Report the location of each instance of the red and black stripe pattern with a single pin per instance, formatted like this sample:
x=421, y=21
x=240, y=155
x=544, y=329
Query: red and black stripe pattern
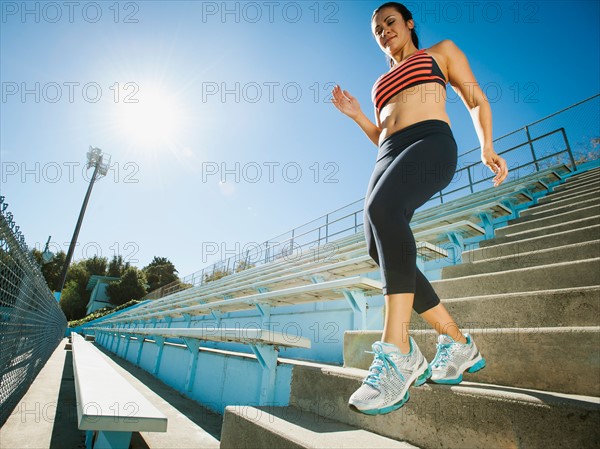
x=418, y=68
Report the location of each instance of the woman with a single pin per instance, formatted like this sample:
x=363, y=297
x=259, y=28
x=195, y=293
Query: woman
x=417, y=158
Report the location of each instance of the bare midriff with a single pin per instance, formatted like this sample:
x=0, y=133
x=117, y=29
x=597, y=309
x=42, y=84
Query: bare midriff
x=415, y=104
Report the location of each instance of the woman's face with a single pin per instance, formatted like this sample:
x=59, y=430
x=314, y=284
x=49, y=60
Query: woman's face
x=390, y=29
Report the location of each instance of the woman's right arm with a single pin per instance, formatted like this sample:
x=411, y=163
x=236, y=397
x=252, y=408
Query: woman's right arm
x=348, y=105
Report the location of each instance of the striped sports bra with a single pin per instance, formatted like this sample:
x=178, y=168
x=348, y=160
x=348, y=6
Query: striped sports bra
x=418, y=68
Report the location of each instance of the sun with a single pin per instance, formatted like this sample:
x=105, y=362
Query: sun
x=155, y=119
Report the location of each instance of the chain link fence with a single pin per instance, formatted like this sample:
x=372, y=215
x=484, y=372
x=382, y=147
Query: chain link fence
x=31, y=321
x=570, y=136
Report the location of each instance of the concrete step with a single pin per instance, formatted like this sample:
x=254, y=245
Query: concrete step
x=564, y=253
x=527, y=214
x=569, y=186
x=469, y=415
x=546, y=230
x=571, y=274
x=579, y=173
x=593, y=173
x=560, y=359
x=561, y=307
x=247, y=427
x=556, y=219
x=559, y=203
x=571, y=192
x=488, y=251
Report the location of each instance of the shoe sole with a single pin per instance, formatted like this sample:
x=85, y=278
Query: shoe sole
x=478, y=365
x=422, y=374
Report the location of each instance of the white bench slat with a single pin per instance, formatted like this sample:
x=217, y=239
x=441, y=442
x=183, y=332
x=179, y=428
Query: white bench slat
x=361, y=264
x=236, y=335
x=495, y=208
x=426, y=249
x=105, y=400
x=511, y=189
x=430, y=251
x=357, y=264
x=467, y=227
x=293, y=295
x=307, y=258
x=230, y=284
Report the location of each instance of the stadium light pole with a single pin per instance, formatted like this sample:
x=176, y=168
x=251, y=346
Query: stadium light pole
x=100, y=162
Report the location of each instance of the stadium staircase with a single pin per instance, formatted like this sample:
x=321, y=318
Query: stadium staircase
x=530, y=297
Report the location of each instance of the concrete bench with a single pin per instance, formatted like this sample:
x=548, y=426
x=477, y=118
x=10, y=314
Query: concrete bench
x=264, y=343
x=108, y=407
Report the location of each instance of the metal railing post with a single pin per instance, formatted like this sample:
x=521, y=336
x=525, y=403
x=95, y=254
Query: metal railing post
x=568, y=147
x=537, y=168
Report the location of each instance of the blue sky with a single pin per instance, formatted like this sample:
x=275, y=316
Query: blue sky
x=241, y=87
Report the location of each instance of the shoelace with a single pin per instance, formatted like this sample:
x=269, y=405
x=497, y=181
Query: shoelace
x=382, y=360
x=443, y=354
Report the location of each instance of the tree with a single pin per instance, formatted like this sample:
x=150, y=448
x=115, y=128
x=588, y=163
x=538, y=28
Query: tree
x=116, y=267
x=96, y=266
x=53, y=269
x=160, y=272
x=78, y=272
x=78, y=275
x=130, y=286
x=71, y=302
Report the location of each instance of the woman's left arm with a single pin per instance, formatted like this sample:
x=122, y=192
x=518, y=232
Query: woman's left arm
x=465, y=85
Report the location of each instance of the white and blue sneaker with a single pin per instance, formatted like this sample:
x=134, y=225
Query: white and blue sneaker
x=385, y=388
x=453, y=358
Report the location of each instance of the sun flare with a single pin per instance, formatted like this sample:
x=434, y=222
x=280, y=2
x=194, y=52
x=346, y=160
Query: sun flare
x=156, y=119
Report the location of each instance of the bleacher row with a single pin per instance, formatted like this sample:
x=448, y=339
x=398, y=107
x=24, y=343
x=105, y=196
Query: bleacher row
x=323, y=274
x=318, y=276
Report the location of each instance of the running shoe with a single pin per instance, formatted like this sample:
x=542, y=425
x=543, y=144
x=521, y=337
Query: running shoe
x=453, y=358
x=385, y=388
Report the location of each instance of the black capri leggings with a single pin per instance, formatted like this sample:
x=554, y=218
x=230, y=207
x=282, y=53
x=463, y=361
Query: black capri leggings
x=412, y=165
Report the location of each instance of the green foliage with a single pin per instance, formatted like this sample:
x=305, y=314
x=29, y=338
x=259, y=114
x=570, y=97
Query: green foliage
x=74, y=297
x=53, y=269
x=96, y=266
x=160, y=272
x=116, y=267
x=71, y=302
x=100, y=313
x=78, y=272
x=132, y=285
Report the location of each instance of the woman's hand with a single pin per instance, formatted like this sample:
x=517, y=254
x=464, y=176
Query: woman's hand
x=345, y=102
x=496, y=163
